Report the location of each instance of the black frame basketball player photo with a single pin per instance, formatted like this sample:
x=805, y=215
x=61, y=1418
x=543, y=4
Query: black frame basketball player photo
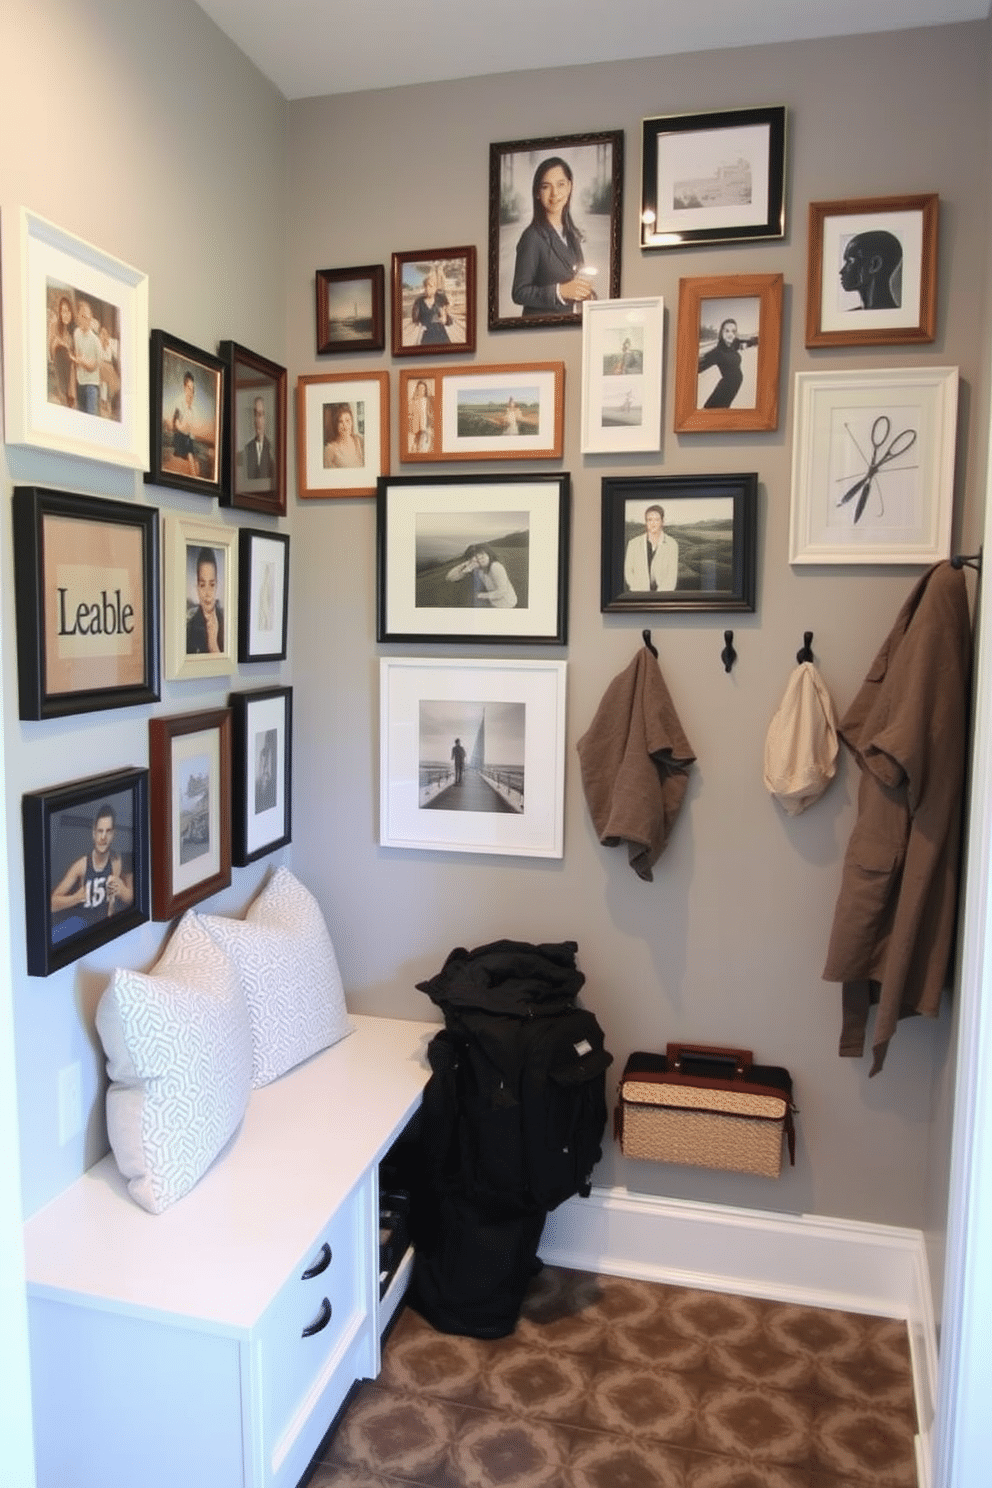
x=85, y=866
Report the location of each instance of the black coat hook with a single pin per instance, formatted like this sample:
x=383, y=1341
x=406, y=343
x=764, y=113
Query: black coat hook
x=728, y=655
x=806, y=654
x=646, y=636
x=968, y=560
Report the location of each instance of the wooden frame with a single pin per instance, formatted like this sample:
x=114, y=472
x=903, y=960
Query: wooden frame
x=508, y=720
x=87, y=602
x=433, y=302
x=186, y=417
x=873, y=466
x=189, y=756
x=713, y=178
x=433, y=580
x=328, y=461
x=525, y=260
x=622, y=375
x=872, y=272
x=721, y=382
x=255, y=444
x=190, y=638
x=51, y=402
x=262, y=747
x=89, y=840
x=511, y=411
x=350, y=307
x=263, y=594
x=712, y=520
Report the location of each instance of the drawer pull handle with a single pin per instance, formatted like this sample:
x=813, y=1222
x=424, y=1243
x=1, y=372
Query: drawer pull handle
x=320, y=1264
x=320, y=1321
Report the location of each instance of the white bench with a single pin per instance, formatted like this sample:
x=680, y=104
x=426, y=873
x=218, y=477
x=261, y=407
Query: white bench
x=167, y=1349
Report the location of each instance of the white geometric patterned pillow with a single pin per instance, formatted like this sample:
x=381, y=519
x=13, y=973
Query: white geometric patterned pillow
x=178, y=1047
x=289, y=975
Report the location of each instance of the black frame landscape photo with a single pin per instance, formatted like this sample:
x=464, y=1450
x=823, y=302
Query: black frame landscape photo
x=715, y=177
x=473, y=558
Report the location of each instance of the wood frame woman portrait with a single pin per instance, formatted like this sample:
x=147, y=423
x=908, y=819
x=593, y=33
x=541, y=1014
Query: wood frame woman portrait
x=555, y=219
x=727, y=358
x=342, y=433
x=872, y=271
x=433, y=302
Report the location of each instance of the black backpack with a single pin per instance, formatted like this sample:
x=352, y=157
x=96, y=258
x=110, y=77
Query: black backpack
x=526, y=1103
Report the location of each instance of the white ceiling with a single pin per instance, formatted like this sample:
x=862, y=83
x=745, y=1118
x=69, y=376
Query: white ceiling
x=313, y=47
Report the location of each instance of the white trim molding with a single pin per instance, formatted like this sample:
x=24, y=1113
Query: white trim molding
x=802, y=1259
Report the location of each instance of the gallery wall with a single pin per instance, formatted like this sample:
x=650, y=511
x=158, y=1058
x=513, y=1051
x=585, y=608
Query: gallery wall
x=176, y=167
x=230, y=200
x=727, y=944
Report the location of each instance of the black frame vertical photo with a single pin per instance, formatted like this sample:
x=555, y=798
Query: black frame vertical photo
x=262, y=772
x=255, y=444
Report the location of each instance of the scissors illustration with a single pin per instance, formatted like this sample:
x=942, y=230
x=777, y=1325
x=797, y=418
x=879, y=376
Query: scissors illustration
x=880, y=456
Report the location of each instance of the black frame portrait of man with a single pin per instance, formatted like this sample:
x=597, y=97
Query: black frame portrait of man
x=527, y=258
x=714, y=520
x=252, y=379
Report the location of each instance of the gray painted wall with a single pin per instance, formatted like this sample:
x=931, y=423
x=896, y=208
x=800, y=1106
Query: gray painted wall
x=727, y=944
x=180, y=173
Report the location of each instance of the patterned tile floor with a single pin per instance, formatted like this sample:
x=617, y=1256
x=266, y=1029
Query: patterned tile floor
x=612, y=1383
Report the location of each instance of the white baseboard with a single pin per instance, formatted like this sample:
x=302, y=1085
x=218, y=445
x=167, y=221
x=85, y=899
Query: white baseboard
x=799, y=1258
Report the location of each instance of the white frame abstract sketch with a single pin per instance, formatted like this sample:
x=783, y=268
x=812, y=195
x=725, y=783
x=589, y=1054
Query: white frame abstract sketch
x=873, y=466
x=454, y=696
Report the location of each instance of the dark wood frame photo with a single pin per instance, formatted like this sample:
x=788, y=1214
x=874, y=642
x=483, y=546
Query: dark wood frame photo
x=262, y=746
x=430, y=533
x=56, y=839
x=872, y=271
x=350, y=309
x=422, y=332
x=595, y=163
x=713, y=521
x=252, y=379
x=713, y=178
x=263, y=594
x=752, y=304
x=55, y=534
x=190, y=458
x=178, y=830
